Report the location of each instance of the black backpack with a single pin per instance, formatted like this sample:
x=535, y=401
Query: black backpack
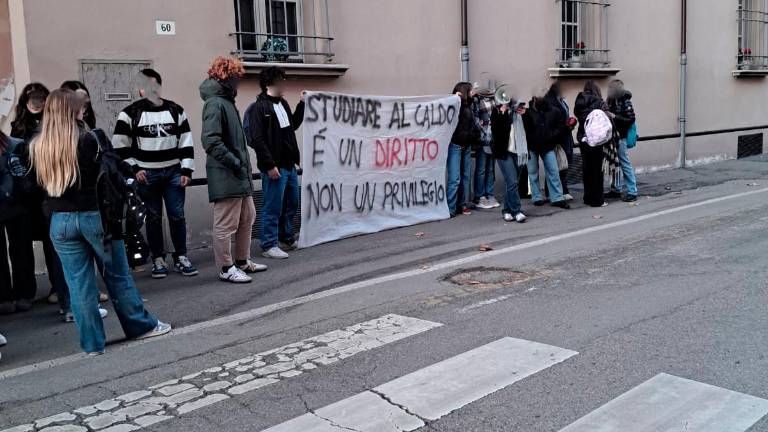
x=122, y=211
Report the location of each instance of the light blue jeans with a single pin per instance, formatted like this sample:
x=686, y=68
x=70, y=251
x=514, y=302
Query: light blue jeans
x=552, y=174
x=458, y=177
x=78, y=238
x=627, y=181
x=485, y=175
x=281, y=202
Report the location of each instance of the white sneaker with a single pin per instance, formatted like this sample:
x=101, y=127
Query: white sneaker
x=275, y=253
x=520, y=217
x=235, y=275
x=103, y=312
x=508, y=217
x=568, y=197
x=159, y=330
x=3, y=340
x=484, y=204
x=493, y=202
x=252, y=267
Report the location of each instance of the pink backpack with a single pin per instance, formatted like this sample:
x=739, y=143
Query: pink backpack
x=598, y=128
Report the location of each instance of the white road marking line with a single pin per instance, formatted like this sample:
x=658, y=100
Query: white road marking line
x=365, y=411
x=669, y=403
x=265, y=310
x=176, y=397
x=407, y=403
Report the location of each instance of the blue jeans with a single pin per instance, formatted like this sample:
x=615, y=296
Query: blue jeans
x=79, y=240
x=458, y=170
x=511, y=173
x=164, y=184
x=552, y=174
x=628, y=180
x=485, y=175
x=281, y=202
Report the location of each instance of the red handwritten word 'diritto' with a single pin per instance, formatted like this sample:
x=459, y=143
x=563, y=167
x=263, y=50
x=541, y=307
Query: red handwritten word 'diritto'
x=396, y=152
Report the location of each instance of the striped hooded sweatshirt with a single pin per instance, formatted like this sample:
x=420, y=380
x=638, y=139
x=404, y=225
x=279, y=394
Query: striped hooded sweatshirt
x=148, y=136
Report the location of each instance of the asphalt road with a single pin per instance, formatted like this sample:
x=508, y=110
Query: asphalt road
x=663, y=302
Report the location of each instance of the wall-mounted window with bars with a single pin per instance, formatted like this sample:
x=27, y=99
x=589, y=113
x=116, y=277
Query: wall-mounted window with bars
x=753, y=35
x=284, y=31
x=583, y=34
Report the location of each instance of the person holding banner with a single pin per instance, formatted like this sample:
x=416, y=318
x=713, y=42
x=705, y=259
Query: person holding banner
x=270, y=127
x=459, y=165
x=230, y=186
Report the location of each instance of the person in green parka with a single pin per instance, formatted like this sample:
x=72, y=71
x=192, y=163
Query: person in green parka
x=229, y=170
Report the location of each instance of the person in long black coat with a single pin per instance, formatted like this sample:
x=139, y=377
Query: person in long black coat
x=591, y=157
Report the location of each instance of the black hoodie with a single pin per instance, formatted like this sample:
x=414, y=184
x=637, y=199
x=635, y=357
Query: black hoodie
x=625, y=112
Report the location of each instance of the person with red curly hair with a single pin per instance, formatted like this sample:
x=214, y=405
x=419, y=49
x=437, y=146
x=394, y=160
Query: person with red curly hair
x=229, y=170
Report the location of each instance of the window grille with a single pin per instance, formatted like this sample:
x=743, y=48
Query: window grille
x=583, y=34
x=283, y=30
x=753, y=35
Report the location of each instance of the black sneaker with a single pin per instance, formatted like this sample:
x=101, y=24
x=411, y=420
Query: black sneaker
x=184, y=266
x=613, y=194
x=561, y=204
x=629, y=198
x=539, y=203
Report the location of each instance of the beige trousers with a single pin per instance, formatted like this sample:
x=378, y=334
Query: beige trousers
x=232, y=216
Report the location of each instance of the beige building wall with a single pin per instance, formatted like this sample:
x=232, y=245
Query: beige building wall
x=407, y=47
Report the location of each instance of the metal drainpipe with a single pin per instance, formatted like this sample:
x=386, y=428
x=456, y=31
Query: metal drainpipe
x=683, y=68
x=464, y=53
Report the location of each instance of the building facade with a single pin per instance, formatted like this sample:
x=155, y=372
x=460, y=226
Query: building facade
x=410, y=47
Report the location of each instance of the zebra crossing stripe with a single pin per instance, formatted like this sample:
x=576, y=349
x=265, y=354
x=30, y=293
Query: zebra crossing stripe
x=165, y=401
x=409, y=402
x=669, y=403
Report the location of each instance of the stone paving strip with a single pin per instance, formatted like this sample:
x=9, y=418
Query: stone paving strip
x=414, y=400
x=164, y=401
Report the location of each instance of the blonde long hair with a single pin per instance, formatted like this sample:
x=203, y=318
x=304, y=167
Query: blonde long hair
x=54, y=152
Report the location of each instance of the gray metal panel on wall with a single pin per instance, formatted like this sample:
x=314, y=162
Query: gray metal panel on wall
x=112, y=84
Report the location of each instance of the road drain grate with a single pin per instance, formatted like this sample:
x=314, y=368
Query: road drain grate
x=488, y=277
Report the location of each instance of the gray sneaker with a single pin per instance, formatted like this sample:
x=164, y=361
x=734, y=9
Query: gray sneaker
x=484, y=204
x=159, y=330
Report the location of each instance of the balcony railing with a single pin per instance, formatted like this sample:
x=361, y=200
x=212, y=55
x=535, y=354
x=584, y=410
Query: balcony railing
x=753, y=35
x=283, y=31
x=583, y=34
x=272, y=47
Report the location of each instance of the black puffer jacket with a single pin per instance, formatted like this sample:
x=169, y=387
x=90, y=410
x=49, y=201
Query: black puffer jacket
x=625, y=112
x=585, y=104
x=501, y=126
x=467, y=132
x=545, y=126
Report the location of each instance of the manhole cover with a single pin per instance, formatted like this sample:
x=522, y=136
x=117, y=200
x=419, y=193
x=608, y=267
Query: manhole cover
x=488, y=277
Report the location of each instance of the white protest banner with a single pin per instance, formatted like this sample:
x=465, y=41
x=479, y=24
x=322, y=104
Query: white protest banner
x=372, y=163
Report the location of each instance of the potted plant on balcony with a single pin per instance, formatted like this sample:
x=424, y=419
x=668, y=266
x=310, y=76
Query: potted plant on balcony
x=746, y=61
x=275, y=49
x=578, y=55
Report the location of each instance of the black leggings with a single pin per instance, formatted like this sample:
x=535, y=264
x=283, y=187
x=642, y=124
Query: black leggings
x=592, y=164
x=17, y=282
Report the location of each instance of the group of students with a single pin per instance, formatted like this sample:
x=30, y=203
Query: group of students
x=518, y=137
x=56, y=169
x=59, y=175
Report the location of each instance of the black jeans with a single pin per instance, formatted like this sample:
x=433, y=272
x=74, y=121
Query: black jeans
x=163, y=185
x=17, y=282
x=592, y=165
